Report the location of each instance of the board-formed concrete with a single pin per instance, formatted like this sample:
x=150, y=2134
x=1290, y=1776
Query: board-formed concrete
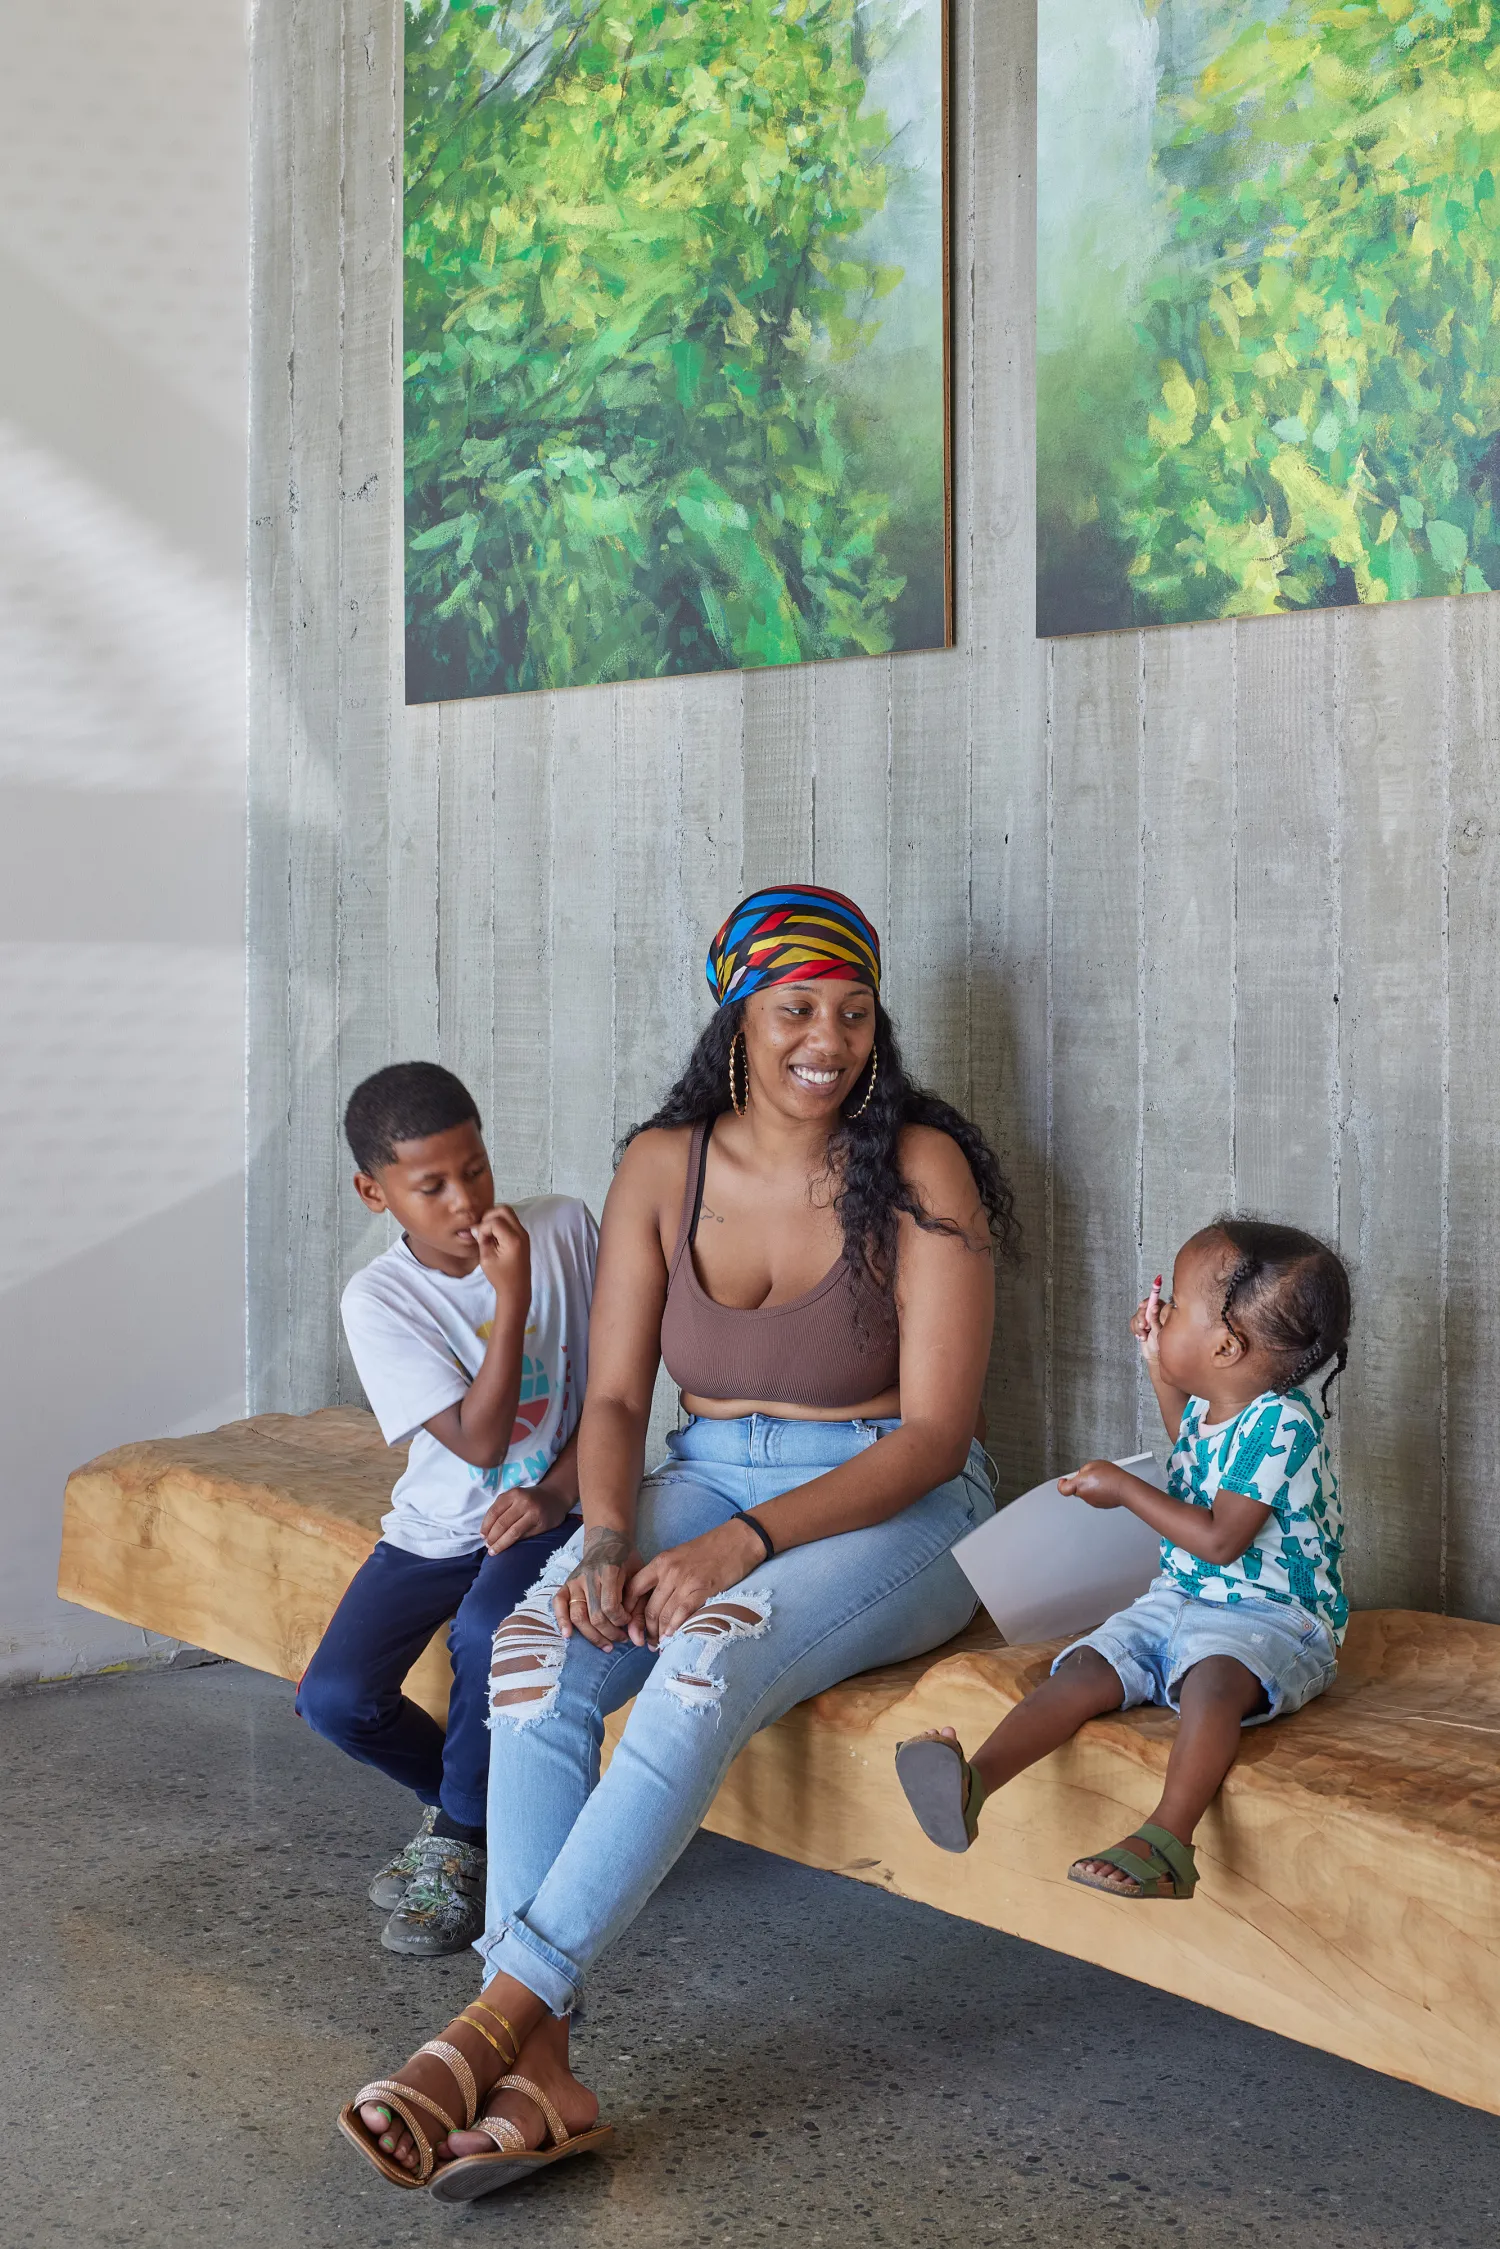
x=1350, y=1891
x=191, y=1983
x=1186, y=918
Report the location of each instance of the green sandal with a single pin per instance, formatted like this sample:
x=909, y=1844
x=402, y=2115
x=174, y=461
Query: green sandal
x=943, y=1790
x=1166, y=1870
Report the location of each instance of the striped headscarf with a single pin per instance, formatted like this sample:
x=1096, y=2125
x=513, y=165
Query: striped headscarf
x=792, y=934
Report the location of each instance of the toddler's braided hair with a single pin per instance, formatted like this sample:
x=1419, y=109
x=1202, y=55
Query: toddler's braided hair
x=1292, y=1292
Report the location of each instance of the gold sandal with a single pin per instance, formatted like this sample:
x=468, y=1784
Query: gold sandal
x=467, y=2177
x=387, y=2094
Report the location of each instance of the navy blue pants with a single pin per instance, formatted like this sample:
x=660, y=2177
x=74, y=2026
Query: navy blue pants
x=351, y=1691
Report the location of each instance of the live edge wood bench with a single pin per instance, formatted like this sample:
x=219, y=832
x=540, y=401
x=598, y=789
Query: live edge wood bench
x=1350, y=1892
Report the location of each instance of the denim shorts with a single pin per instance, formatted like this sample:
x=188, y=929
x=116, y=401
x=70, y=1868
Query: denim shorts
x=1156, y=1641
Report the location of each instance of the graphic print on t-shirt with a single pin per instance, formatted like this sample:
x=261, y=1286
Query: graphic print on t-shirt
x=532, y=1408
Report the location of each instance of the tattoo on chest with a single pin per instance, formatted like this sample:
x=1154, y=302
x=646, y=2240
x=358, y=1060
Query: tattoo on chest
x=716, y=1216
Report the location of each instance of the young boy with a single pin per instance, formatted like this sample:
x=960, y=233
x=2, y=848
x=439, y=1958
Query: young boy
x=1244, y=1623
x=470, y=1335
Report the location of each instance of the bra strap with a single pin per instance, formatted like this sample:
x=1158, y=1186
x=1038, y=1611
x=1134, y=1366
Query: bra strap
x=692, y=1192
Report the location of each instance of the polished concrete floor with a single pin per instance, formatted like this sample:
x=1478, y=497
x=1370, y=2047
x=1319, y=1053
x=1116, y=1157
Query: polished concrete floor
x=190, y=1983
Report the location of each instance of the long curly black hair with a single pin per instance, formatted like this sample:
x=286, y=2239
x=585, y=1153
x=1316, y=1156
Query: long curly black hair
x=870, y=1193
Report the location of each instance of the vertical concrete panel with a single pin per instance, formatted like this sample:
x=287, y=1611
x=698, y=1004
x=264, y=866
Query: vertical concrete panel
x=521, y=923
x=711, y=864
x=368, y=613
x=472, y=852
x=1186, y=936
x=412, y=872
x=585, y=877
x=780, y=756
x=852, y=820
x=1007, y=683
x=1286, y=1012
x=1391, y=842
x=313, y=61
x=1471, y=1217
x=269, y=1086
x=648, y=938
x=1095, y=917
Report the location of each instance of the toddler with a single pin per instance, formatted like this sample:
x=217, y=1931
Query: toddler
x=1245, y=1620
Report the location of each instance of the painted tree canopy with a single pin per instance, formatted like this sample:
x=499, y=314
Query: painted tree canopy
x=632, y=278
x=1305, y=406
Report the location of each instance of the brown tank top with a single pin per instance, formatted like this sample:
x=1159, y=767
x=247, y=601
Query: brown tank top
x=835, y=1345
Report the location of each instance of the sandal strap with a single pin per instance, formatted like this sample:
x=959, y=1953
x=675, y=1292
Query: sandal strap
x=488, y=2036
x=454, y=2062
x=554, y=2122
x=975, y=1793
x=386, y=2088
x=1177, y=1855
x=384, y=2092
x=508, y=2137
x=504, y=2021
x=1140, y=1870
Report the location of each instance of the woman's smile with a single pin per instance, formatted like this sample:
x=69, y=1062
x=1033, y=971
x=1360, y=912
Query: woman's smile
x=807, y=1074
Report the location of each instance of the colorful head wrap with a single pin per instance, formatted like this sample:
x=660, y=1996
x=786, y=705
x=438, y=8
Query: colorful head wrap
x=792, y=935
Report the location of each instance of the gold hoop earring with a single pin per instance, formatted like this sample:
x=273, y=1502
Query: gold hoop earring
x=737, y=1045
x=870, y=1088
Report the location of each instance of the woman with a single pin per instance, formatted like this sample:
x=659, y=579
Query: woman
x=806, y=1238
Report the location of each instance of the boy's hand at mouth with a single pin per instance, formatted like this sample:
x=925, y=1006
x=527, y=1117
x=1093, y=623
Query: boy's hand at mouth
x=504, y=1248
x=1098, y=1482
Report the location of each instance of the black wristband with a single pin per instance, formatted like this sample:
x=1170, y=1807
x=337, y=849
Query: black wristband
x=761, y=1533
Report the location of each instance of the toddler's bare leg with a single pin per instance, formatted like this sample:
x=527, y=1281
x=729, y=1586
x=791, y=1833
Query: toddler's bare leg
x=1085, y=1687
x=1082, y=1688
x=1216, y=1696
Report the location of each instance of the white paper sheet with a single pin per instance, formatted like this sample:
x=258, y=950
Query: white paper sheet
x=1047, y=1566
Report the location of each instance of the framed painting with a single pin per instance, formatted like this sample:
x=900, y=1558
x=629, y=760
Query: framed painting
x=676, y=338
x=1268, y=348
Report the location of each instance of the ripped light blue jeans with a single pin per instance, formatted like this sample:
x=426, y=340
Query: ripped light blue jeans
x=573, y=1858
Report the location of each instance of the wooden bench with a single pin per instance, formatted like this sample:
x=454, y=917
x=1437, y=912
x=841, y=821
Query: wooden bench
x=1351, y=1871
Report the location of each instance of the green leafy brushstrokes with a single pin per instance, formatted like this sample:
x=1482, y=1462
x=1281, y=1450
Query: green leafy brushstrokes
x=1312, y=412
x=626, y=287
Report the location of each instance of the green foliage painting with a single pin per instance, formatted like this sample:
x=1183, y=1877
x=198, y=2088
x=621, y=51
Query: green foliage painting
x=1268, y=306
x=675, y=337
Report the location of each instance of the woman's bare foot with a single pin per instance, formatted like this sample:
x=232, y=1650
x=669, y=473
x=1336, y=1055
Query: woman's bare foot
x=544, y=2059
x=429, y=2074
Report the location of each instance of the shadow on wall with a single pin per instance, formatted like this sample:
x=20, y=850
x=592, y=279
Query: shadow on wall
x=121, y=1014
x=123, y=261
x=87, y=1381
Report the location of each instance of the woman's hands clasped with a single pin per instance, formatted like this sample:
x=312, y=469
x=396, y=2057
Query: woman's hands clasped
x=674, y=1585
x=614, y=1596
x=593, y=1600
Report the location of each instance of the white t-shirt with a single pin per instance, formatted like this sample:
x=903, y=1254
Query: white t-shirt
x=418, y=1337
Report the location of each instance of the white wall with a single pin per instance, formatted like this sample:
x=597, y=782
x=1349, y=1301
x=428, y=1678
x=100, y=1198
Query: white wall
x=124, y=234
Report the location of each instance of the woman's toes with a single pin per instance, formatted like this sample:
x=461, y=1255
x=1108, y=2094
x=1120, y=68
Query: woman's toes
x=469, y=2143
x=389, y=2136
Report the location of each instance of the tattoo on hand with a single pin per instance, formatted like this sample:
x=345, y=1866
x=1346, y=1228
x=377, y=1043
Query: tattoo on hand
x=603, y=1549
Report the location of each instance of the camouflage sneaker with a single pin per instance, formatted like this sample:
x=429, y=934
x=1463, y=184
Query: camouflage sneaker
x=443, y=1908
x=389, y=1886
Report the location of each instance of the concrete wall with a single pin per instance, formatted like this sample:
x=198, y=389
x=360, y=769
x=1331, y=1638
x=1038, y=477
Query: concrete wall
x=124, y=238
x=1185, y=918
